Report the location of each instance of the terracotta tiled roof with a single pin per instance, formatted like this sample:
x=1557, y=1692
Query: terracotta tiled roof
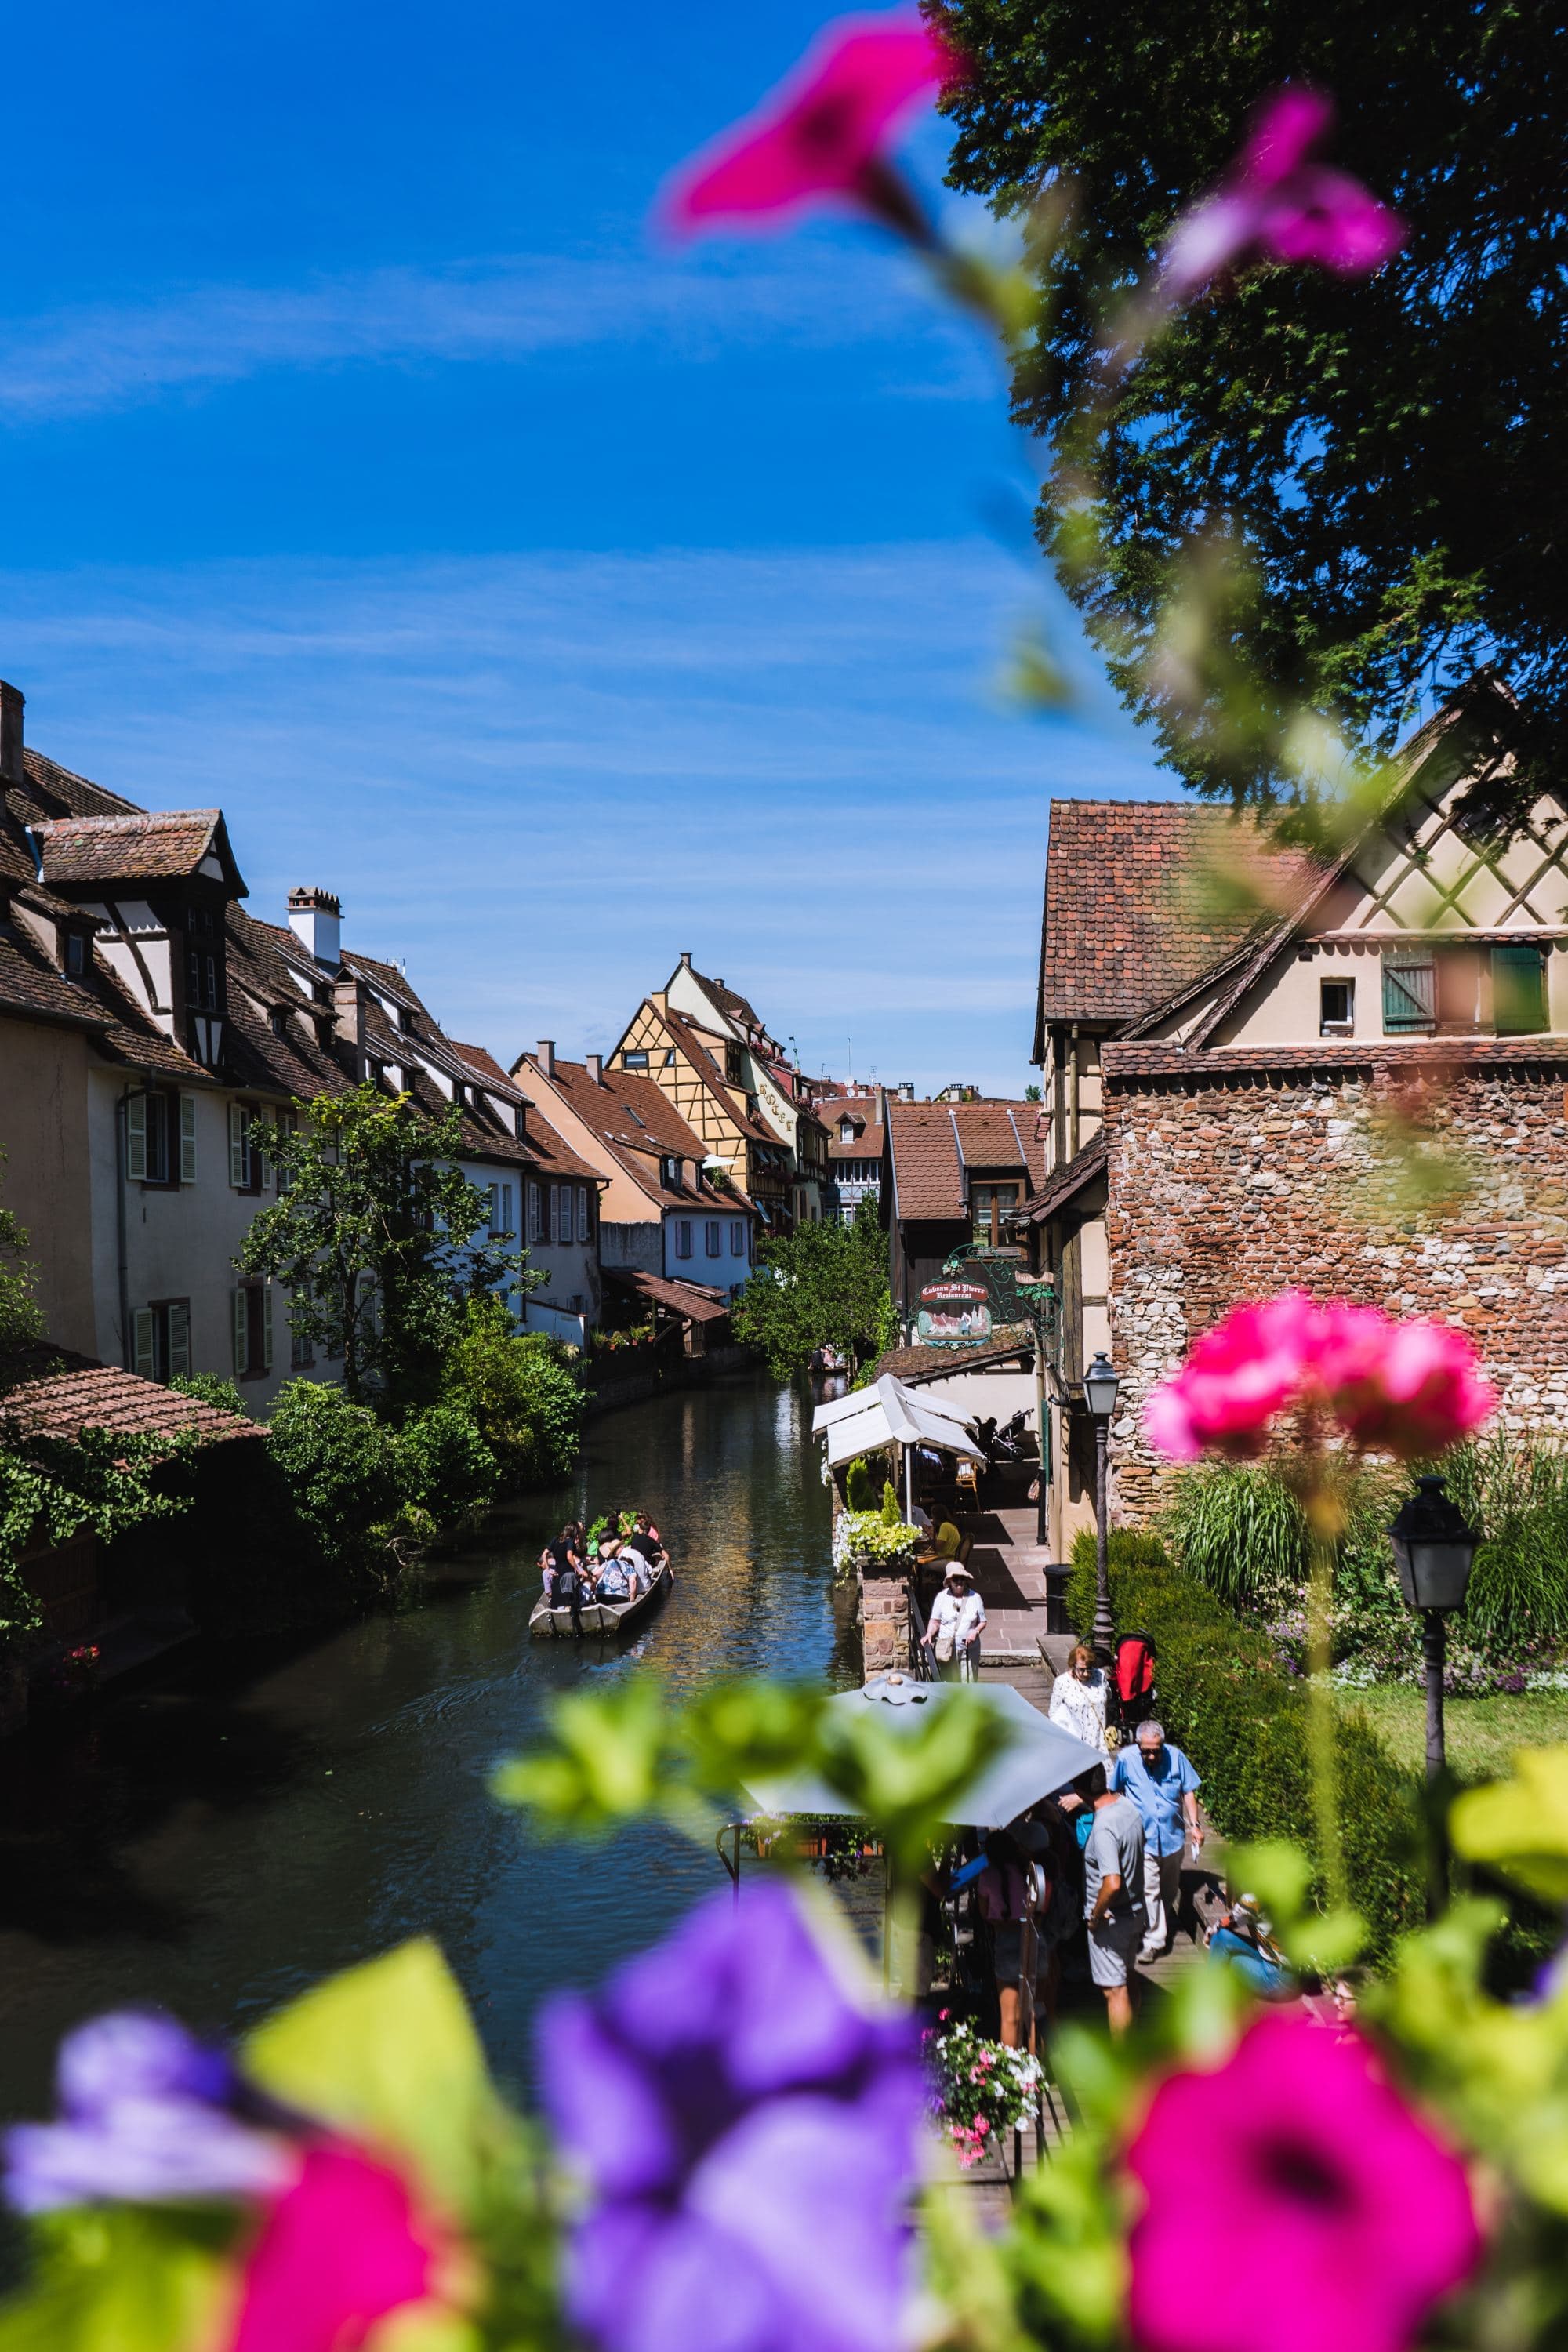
x=484, y=1066
x=639, y=1127
x=84, y=1395
x=919, y=1364
x=690, y=1038
x=689, y=1299
x=53, y=791
x=863, y=1109
x=729, y=1000
x=1126, y=921
x=83, y=849
x=1062, y=1182
x=30, y=984
x=932, y=1145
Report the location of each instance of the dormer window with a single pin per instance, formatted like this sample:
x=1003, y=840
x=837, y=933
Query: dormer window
x=76, y=954
x=670, y=1174
x=279, y=1018
x=405, y=1019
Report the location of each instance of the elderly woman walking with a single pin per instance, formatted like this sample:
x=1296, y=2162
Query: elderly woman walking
x=957, y=1621
x=1078, y=1698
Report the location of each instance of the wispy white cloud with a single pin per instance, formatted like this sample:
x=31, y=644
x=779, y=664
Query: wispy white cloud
x=539, y=777
x=110, y=354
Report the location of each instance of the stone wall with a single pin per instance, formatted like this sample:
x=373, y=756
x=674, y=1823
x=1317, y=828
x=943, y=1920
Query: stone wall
x=1227, y=1190
x=884, y=1623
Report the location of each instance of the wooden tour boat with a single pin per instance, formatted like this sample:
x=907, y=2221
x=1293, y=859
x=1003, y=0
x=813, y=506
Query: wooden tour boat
x=601, y=1620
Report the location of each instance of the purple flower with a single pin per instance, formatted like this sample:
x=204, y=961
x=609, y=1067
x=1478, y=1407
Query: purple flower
x=1276, y=202
x=748, y=2132
x=147, y=2114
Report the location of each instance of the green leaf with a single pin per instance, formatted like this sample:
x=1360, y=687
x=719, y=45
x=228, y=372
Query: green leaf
x=608, y=1764
x=908, y=1783
x=122, y=2279
x=1519, y=1827
x=388, y=2053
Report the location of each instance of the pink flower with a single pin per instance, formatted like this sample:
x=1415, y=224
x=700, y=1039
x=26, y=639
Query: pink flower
x=1276, y=202
x=981, y=2127
x=336, y=2253
x=1236, y=1379
x=818, y=135
x=1296, y=2175
x=1409, y=1389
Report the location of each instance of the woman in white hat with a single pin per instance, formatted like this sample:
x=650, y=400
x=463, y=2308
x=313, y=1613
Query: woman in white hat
x=957, y=1621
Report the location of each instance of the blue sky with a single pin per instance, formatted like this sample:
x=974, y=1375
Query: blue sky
x=560, y=601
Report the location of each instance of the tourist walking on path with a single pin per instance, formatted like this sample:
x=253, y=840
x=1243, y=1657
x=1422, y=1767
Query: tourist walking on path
x=1078, y=1698
x=1113, y=1905
x=1163, y=1785
x=957, y=1621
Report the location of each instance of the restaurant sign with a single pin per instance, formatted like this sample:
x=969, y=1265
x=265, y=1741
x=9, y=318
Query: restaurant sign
x=953, y=1314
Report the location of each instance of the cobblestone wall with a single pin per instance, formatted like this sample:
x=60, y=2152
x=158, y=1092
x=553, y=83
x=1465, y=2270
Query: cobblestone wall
x=884, y=1623
x=1225, y=1193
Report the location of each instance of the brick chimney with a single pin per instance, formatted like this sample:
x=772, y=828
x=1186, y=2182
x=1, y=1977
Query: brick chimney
x=686, y=958
x=595, y=1067
x=546, y=1057
x=316, y=919
x=12, y=701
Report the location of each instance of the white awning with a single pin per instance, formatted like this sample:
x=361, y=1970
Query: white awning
x=888, y=1413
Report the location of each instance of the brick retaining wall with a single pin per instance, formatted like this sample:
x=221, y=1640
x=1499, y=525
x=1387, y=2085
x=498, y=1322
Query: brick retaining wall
x=1226, y=1190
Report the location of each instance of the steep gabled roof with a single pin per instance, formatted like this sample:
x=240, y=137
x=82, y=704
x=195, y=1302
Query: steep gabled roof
x=688, y=1036
x=81, y=850
x=638, y=1127
x=932, y=1145
x=1123, y=927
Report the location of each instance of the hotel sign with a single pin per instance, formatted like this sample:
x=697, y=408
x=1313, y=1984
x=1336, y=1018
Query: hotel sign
x=953, y=1314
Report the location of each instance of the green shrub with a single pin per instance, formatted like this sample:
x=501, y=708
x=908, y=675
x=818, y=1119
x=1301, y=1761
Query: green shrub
x=444, y=1467
x=341, y=1464
x=860, y=1488
x=521, y=1390
x=1243, y=1720
x=211, y=1389
x=892, y=1517
x=1516, y=1491
x=1238, y=1528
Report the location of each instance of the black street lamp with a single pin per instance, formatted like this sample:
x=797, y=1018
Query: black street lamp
x=1434, y=1549
x=1100, y=1386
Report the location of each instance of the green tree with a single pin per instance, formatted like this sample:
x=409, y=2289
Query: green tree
x=1384, y=457
x=821, y=1287
x=521, y=1391
x=378, y=1237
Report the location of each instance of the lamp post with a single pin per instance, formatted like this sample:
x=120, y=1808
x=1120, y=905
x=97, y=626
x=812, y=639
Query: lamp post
x=1434, y=1549
x=1100, y=1386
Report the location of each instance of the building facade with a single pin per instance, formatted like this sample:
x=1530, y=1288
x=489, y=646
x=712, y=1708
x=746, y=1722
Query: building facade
x=954, y=1176
x=782, y=1096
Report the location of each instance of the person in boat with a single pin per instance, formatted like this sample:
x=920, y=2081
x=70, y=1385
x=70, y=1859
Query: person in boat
x=647, y=1539
x=616, y=1577
x=568, y=1550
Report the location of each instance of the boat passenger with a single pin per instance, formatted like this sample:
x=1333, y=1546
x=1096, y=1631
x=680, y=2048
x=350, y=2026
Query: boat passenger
x=568, y=1550
x=654, y=1546
x=614, y=1581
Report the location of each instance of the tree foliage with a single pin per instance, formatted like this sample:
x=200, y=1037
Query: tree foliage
x=376, y=1236
x=52, y=1488
x=1384, y=459
x=20, y=1319
x=821, y=1287
x=521, y=1393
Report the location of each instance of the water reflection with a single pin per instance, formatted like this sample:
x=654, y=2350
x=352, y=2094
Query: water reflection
x=215, y=1843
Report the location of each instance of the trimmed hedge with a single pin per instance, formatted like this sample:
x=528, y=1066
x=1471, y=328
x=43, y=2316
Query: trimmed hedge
x=1227, y=1702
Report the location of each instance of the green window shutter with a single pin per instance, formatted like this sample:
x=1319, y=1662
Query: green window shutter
x=187, y=1138
x=136, y=1139
x=1409, y=990
x=144, y=1344
x=267, y=1325
x=179, y=1341
x=241, y=1334
x=1518, y=991
x=236, y=1147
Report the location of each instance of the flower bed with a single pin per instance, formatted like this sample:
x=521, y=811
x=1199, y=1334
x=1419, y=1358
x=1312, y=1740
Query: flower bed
x=981, y=2089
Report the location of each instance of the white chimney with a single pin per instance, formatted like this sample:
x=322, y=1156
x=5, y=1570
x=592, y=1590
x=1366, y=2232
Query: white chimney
x=546, y=1057
x=906, y=1091
x=316, y=919
x=595, y=1067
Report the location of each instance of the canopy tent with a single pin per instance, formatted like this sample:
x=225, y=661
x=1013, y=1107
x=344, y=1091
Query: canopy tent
x=888, y=1413
x=1039, y=1758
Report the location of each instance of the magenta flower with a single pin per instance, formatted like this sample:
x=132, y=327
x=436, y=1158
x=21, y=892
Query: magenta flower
x=1329, y=2217
x=337, y=2252
x=749, y=2133
x=1276, y=202
x=1408, y=1388
x=820, y=134
x=1236, y=1379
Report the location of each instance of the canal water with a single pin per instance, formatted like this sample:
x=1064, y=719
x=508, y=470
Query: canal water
x=214, y=1843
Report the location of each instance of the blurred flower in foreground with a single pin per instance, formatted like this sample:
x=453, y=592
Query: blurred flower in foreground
x=1276, y=203
x=749, y=2133
x=819, y=136
x=147, y=2114
x=1295, y=2183
x=336, y=2253
x=1410, y=1389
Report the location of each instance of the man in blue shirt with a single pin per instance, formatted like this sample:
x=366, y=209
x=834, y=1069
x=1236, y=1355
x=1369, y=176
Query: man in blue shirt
x=1163, y=1785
